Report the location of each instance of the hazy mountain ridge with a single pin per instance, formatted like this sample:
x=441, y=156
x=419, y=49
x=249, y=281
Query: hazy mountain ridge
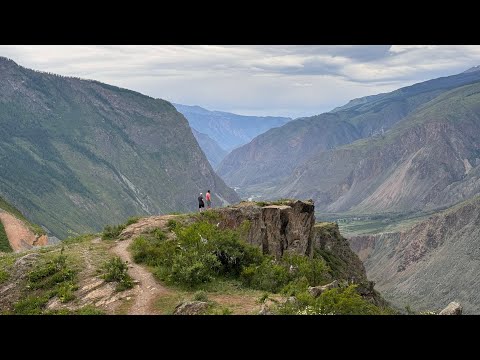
x=227, y=129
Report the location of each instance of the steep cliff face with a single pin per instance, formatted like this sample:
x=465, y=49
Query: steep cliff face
x=276, y=229
x=431, y=264
x=78, y=154
x=289, y=226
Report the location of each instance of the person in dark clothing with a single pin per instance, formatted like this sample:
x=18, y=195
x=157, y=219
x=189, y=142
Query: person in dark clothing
x=201, y=204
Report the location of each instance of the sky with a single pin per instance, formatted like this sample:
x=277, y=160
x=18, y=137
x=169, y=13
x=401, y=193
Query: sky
x=276, y=80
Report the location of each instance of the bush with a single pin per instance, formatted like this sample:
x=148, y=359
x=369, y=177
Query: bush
x=117, y=270
x=112, y=231
x=268, y=276
x=336, y=301
x=200, y=253
x=200, y=296
x=315, y=270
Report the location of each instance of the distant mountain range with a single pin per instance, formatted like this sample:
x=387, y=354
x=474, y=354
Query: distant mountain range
x=413, y=148
x=76, y=155
x=227, y=129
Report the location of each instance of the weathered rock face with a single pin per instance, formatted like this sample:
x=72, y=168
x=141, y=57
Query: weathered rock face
x=277, y=229
x=454, y=308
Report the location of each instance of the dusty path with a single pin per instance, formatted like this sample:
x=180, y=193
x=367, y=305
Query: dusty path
x=148, y=289
x=19, y=235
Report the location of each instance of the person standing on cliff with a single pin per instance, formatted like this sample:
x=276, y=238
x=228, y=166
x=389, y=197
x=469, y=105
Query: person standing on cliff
x=201, y=204
x=208, y=197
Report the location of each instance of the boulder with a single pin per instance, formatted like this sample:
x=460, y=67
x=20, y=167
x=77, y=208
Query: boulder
x=191, y=308
x=316, y=291
x=454, y=308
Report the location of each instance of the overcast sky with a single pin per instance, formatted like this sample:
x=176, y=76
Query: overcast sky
x=253, y=80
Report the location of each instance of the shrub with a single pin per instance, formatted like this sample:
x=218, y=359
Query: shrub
x=117, y=270
x=112, y=231
x=315, y=270
x=65, y=291
x=268, y=276
x=200, y=296
x=336, y=301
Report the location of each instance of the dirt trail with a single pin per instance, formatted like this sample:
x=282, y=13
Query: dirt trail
x=148, y=288
x=19, y=235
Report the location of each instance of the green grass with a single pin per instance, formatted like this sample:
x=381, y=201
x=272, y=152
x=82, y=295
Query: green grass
x=53, y=275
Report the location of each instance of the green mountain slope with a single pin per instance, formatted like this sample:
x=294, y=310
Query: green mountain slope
x=78, y=154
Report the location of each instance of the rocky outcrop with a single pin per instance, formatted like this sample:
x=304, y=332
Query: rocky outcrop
x=191, y=308
x=275, y=227
x=316, y=291
x=454, y=308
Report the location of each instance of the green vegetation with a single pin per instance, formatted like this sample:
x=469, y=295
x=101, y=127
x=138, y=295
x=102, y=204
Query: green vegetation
x=53, y=276
x=4, y=243
x=338, y=301
x=200, y=296
x=79, y=239
x=117, y=270
x=112, y=231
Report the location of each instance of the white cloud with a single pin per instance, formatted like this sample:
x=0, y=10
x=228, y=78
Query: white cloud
x=268, y=80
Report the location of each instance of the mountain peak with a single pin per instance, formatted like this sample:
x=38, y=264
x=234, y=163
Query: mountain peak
x=7, y=61
x=472, y=69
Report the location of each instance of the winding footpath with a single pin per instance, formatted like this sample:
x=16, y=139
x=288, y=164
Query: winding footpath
x=147, y=289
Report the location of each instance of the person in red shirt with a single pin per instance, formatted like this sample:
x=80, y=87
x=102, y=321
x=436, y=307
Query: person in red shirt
x=209, y=199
